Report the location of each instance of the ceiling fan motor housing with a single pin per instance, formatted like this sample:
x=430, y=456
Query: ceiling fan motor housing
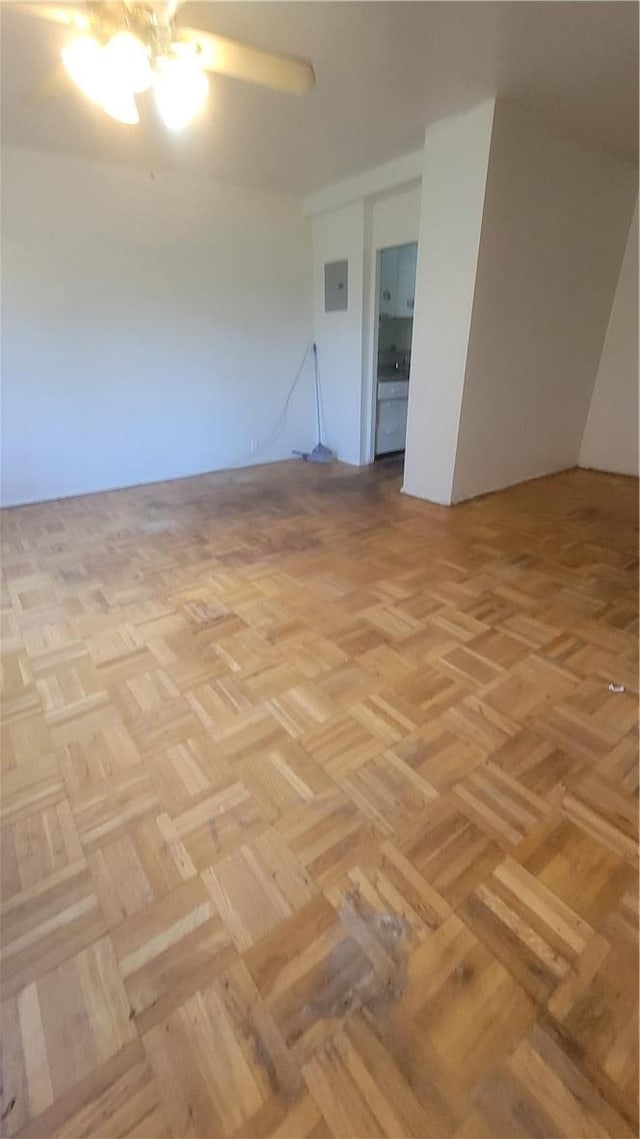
x=152, y=22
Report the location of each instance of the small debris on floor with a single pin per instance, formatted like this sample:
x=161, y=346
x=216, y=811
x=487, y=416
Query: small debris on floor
x=463, y=972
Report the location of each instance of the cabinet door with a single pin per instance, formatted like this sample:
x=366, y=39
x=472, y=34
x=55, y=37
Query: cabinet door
x=388, y=282
x=406, y=289
x=391, y=431
x=392, y=389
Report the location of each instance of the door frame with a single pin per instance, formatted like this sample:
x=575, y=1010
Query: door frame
x=371, y=399
x=392, y=218
x=372, y=417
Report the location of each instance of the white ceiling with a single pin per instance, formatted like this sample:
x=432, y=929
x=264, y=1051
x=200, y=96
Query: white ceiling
x=383, y=71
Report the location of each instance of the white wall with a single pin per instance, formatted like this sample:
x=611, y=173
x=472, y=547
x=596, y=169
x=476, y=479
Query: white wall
x=456, y=158
x=339, y=235
x=151, y=326
x=368, y=184
x=610, y=440
x=556, y=216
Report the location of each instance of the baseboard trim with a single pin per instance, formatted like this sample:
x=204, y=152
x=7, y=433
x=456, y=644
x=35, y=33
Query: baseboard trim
x=149, y=482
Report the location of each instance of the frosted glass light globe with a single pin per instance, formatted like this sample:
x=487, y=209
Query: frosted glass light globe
x=120, y=105
x=83, y=59
x=180, y=89
x=127, y=63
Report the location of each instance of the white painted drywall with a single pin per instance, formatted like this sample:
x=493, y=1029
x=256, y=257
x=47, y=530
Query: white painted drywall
x=456, y=158
x=395, y=217
x=556, y=217
x=392, y=219
x=339, y=235
x=151, y=326
x=610, y=440
x=377, y=180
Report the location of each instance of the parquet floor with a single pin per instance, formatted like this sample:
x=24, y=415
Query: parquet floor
x=319, y=816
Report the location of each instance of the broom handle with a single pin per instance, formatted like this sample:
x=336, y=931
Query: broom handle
x=317, y=387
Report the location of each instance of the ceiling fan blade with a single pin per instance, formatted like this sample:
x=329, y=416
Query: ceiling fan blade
x=240, y=61
x=65, y=14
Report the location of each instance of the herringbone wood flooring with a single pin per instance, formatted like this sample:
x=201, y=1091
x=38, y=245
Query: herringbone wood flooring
x=319, y=816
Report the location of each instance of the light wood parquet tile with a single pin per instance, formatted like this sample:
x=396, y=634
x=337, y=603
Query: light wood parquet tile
x=257, y=887
x=536, y=935
x=318, y=815
x=535, y=1088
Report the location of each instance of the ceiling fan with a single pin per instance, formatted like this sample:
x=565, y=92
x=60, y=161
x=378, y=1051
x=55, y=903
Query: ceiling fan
x=119, y=50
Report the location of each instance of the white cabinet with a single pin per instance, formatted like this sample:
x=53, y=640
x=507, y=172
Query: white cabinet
x=391, y=429
x=392, y=389
x=398, y=280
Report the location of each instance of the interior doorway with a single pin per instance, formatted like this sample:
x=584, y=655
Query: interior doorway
x=395, y=299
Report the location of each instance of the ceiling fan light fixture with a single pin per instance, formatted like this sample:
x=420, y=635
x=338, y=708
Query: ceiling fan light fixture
x=180, y=89
x=126, y=61
x=137, y=47
x=84, y=62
